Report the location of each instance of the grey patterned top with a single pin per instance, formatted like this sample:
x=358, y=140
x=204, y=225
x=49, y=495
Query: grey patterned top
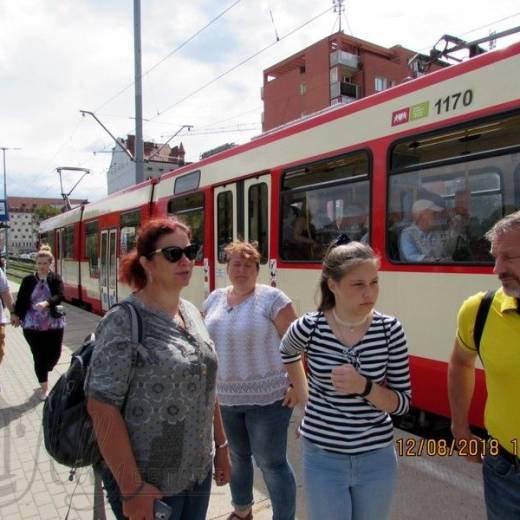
x=170, y=389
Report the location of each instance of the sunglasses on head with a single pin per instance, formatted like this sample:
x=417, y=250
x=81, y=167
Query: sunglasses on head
x=174, y=253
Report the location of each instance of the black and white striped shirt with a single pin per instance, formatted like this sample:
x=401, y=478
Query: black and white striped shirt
x=346, y=423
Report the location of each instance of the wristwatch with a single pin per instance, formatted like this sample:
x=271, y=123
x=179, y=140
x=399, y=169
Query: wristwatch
x=368, y=388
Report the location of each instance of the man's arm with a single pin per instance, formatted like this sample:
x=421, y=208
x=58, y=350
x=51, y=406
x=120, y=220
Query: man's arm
x=461, y=384
x=408, y=248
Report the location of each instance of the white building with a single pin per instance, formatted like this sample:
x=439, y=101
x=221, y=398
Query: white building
x=158, y=159
x=23, y=222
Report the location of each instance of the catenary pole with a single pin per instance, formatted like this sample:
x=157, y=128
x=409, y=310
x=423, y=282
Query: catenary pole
x=139, y=147
x=6, y=237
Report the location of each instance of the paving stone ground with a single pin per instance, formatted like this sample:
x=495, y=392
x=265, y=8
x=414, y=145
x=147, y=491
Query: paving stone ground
x=32, y=486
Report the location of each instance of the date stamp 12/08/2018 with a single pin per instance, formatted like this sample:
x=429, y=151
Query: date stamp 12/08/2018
x=416, y=447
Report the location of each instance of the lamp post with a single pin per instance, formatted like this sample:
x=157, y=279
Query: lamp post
x=6, y=237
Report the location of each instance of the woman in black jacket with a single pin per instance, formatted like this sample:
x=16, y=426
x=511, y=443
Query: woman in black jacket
x=37, y=310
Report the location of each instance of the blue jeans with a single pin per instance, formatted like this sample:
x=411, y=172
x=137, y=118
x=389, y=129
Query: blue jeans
x=191, y=504
x=260, y=432
x=501, y=488
x=338, y=486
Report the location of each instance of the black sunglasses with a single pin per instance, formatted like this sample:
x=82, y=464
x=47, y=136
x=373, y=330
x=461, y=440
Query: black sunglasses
x=174, y=253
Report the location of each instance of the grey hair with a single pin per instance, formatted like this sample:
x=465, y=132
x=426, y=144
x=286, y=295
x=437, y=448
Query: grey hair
x=338, y=261
x=505, y=225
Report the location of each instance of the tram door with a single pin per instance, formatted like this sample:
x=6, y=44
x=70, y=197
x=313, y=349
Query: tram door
x=59, y=252
x=242, y=212
x=108, y=268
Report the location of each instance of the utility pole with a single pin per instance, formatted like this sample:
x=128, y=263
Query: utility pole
x=6, y=237
x=139, y=146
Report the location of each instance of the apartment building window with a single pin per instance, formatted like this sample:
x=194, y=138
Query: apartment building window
x=303, y=88
x=380, y=83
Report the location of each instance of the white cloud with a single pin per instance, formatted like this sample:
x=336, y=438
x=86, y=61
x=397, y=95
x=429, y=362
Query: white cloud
x=57, y=57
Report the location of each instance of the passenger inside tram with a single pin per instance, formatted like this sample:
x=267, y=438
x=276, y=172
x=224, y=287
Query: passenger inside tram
x=461, y=227
x=424, y=240
x=354, y=223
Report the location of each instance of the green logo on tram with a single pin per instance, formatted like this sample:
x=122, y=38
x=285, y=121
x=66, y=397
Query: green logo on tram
x=420, y=110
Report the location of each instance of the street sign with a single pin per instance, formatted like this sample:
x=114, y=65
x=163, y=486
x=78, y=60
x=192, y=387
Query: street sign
x=4, y=216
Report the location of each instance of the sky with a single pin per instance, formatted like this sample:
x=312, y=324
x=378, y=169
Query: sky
x=201, y=67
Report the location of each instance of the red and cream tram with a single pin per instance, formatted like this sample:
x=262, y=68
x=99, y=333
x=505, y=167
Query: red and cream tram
x=451, y=137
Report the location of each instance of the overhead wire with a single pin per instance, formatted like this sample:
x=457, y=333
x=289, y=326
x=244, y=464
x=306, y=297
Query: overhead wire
x=240, y=64
x=170, y=54
x=478, y=28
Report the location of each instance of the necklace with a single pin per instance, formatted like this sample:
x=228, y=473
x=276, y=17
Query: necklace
x=350, y=324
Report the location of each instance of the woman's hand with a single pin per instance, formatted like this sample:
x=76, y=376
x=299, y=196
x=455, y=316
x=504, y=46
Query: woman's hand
x=41, y=305
x=222, y=464
x=347, y=380
x=15, y=320
x=140, y=507
x=291, y=398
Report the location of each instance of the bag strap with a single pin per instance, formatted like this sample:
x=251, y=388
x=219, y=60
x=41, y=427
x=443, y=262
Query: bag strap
x=135, y=320
x=480, y=320
x=313, y=330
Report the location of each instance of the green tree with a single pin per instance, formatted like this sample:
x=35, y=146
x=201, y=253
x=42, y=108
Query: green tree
x=45, y=211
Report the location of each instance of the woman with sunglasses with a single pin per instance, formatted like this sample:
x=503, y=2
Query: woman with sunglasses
x=153, y=405
x=246, y=321
x=357, y=376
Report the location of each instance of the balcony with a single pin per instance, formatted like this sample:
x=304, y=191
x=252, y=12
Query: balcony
x=348, y=60
x=345, y=89
x=342, y=100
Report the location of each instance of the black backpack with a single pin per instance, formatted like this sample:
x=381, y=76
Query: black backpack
x=480, y=320
x=67, y=427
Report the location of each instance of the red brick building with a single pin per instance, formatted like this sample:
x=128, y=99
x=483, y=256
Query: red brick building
x=337, y=69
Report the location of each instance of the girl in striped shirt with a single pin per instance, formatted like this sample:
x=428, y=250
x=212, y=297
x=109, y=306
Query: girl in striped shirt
x=357, y=376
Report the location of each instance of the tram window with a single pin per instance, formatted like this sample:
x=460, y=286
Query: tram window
x=492, y=135
x=224, y=223
x=468, y=173
x=104, y=266
x=517, y=186
x=130, y=218
x=190, y=209
x=128, y=226
x=466, y=198
x=258, y=218
x=68, y=242
x=188, y=182
x=92, y=248
x=127, y=239
x=322, y=200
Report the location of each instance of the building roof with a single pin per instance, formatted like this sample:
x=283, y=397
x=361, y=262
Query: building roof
x=157, y=152
x=298, y=58
x=31, y=203
x=338, y=40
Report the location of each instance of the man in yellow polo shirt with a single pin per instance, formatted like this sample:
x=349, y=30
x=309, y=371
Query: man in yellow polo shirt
x=500, y=354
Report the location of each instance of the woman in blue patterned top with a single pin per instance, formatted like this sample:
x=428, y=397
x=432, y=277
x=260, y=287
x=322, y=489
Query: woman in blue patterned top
x=357, y=376
x=153, y=404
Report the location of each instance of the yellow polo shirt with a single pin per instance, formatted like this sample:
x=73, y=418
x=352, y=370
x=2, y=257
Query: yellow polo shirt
x=500, y=352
